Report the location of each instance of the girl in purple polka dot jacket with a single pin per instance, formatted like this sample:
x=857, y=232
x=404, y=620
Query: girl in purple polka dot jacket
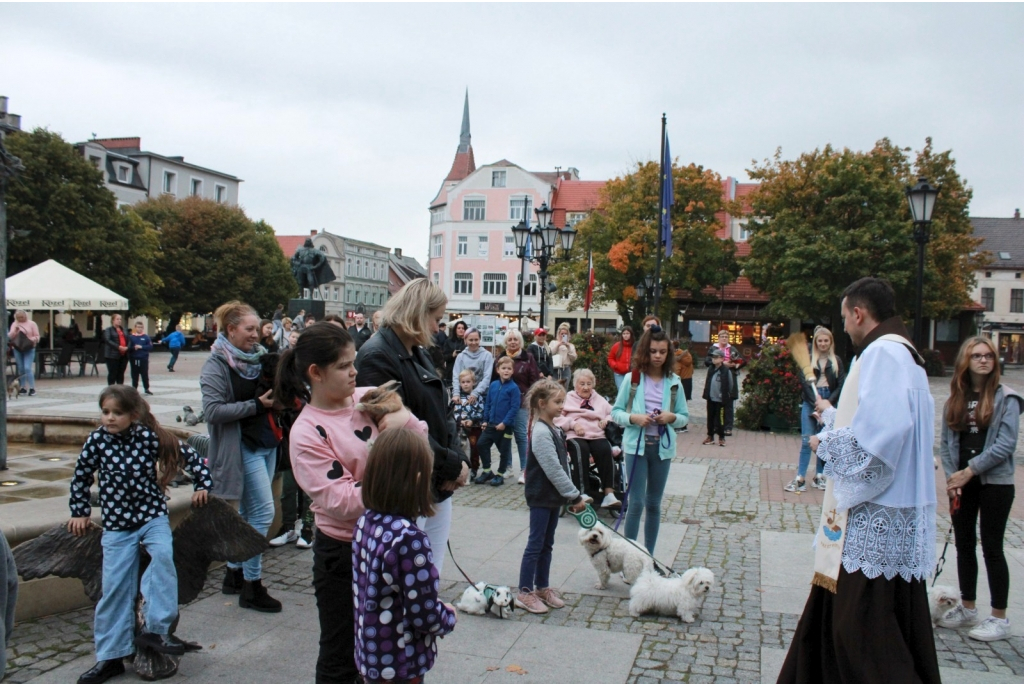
x=398, y=614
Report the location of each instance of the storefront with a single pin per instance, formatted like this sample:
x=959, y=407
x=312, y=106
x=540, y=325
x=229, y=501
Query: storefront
x=1010, y=341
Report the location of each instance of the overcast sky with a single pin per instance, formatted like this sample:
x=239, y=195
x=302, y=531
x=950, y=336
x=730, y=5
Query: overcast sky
x=346, y=117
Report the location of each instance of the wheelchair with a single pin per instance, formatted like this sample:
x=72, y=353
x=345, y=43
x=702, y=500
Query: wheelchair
x=585, y=475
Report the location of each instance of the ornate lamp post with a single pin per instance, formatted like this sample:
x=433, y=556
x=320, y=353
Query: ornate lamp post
x=921, y=198
x=646, y=289
x=544, y=240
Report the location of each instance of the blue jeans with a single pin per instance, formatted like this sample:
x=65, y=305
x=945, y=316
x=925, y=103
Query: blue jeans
x=114, y=629
x=257, y=503
x=618, y=379
x=26, y=370
x=492, y=436
x=174, y=358
x=646, y=485
x=536, y=566
x=809, y=427
x=520, y=430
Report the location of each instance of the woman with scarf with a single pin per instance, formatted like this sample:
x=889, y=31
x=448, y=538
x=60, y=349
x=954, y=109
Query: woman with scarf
x=524, y=375
x=243, y=438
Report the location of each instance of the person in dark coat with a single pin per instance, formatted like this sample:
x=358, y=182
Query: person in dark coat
x=456, y=343
x=139, y=347
x=115, y=350
x=733, y=361
x=399, y=352
x=360, y=332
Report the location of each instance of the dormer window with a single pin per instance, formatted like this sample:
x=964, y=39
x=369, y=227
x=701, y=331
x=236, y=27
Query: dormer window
x=124, y=173
x=1004, y=255
x=498, y=179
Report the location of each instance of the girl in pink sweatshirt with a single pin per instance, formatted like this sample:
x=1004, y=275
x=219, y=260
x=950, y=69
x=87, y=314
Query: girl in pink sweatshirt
x=329, y=444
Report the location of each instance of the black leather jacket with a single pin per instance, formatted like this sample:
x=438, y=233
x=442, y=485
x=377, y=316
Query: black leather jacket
x=384, y=358
x=835, y=378
x=111, y=342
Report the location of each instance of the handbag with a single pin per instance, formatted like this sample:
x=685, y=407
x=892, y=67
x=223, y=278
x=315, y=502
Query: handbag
x=22, y=343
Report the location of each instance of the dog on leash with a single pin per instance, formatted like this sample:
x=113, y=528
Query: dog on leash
x=13, y=389
x=611, y=554
x=681, y=596
x=941, y=599
x=480, y=598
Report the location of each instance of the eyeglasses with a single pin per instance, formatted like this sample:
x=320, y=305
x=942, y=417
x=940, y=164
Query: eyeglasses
x=987, y=357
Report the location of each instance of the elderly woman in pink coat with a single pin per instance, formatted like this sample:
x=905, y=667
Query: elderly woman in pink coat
x=584, y=416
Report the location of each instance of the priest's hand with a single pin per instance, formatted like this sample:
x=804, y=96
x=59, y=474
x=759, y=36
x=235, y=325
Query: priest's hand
x=814, y=442
x=821, y=405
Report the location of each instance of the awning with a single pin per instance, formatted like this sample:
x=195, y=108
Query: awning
x=51, y=285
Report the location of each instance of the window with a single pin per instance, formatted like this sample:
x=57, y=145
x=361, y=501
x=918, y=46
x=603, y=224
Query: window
x=170, y=182
x=335, y=294
x=947, y=331
x=531, y=285
x=988, y=299
x=463, y=283
x=510, y=246
x=474, y=210
x=438, y=246
x=220, y=193
x=497, y=179
x=515, y=207
x=348, y=266
x=481, y=247
x=437, y=278
x=463, y=245
x=374, y=267
x=495, y=284
x=373, y=298
x=573, y=218
x=1004, y=255
x=437, y=215
x=1017, y=301
x=739, y=230
x=96, y=163
x=124, y=173
x=323, y=248
x=359, y=269
x=196, y=187
x=356, y=300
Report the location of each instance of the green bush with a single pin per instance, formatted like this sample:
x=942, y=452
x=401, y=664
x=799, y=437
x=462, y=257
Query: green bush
x=772, y=386
x=933, y=364
x=592, y=353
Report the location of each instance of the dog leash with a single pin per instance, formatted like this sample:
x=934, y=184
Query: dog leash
x=588, y=519
x=488, y=590
x=954, y=509
x=662, y=431
x=464, y=574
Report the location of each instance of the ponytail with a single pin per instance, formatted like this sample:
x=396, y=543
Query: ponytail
x=319, y=345
x=290, y=383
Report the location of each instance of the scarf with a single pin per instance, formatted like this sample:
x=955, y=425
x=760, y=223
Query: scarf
x=245, y=364
x=831, y=534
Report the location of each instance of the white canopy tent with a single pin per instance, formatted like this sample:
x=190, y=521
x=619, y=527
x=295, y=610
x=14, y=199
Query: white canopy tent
x=53, y=286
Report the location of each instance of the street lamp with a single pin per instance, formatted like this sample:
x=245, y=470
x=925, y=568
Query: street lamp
x=921, y=198
x=545, y=238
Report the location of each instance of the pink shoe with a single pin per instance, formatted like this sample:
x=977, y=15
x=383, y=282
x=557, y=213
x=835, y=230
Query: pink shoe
x=529, y=601
x=550, y=597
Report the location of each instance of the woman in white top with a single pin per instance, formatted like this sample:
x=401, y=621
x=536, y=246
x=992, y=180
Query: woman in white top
x=479, y=360
x=566, y=352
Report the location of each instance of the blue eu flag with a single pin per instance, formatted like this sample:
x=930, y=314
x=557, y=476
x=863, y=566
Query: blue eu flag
x=667, y=200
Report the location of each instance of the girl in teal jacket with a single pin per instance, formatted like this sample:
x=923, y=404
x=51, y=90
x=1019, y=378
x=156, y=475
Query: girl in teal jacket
x=649, y=440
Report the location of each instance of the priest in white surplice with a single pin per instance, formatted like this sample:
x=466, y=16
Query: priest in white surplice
x=867, y=618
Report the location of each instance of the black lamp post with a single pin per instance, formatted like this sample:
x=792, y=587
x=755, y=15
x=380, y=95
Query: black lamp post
x=544, y=239
x=646, y=290
x=921, y=198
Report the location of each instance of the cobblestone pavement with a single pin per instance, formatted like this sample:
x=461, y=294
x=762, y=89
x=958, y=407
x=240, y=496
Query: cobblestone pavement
x=735, y=507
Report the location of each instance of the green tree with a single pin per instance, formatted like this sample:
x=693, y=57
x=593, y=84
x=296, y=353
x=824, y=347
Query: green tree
x=211, y=253
x=623, y=230
x=59, y=208
x=829, y=217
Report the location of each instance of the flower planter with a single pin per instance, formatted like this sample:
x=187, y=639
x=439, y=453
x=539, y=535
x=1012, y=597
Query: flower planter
x=777, y=424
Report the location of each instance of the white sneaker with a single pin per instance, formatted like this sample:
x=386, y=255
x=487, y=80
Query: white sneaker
x=284, y=539
x=991, y=629
x=959, y=617
x=304, y=539
x=610, y=501
x=522, y=477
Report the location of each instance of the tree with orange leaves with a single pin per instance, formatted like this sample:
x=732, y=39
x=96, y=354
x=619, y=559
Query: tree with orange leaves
x=622, y=232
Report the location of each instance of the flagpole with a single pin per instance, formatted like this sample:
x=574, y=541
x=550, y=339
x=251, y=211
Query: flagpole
x=661, y=211
x=590, y=266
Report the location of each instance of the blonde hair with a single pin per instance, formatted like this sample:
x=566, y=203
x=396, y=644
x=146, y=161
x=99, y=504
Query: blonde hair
x=583, y=373
x=504, y=361
x=543, y=390
x=815, y=355
x=231, y=314
x=20, y=312
x=467, y=372
x=408, y=311
x=563, y=326
x=516, y=335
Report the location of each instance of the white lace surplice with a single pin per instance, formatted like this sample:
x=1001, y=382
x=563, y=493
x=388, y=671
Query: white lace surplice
x=887, y=484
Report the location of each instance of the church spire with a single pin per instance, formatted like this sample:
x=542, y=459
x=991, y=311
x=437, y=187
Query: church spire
x=464, y=137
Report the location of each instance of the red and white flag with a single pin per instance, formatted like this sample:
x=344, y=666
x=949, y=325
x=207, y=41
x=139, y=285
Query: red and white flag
x=590, y=286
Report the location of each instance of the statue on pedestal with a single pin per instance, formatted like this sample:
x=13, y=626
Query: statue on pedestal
x=311, y=268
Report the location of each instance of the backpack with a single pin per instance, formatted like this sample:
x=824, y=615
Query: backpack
x=634, y=381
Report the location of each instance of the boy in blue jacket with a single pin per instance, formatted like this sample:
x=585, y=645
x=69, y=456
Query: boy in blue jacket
x=500, y=408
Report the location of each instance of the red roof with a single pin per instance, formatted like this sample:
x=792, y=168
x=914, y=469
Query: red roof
x=290, y=243
x=119, y=143
x=738, y=291
x=463, y=165
x=575, y=196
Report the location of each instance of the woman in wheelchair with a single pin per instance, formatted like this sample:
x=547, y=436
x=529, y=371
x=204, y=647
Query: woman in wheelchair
x=584, y=417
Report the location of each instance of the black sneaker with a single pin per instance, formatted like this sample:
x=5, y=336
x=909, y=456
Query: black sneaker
x=32, y=392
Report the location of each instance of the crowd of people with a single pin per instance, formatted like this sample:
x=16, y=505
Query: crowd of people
x=373, y=497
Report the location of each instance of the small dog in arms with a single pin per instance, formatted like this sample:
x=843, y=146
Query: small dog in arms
x=480, y=598
x=681, y=596
x=611, y=554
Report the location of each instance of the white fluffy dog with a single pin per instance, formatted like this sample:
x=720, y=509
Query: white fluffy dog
x=680, y=596
x=941, y=599
x=480, y=598
x=612, y=554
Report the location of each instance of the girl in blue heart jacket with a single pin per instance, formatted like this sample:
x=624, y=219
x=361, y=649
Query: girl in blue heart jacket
x=136, y=460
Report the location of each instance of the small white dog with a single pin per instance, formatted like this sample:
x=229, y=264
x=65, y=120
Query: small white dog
x=681, y=596
x=480, y=598
x=941, y=599
x=611, y=554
